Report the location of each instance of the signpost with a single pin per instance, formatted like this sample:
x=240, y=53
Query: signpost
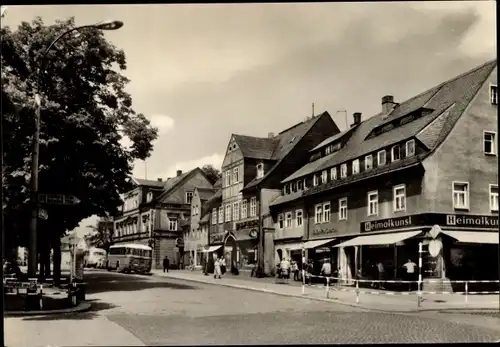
x=58, y=199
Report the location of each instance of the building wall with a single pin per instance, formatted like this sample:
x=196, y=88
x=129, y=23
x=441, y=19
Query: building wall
x=294, y=231
x=461, y=158
x=198, y=180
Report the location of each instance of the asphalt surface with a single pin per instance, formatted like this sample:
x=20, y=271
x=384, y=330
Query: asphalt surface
x=163, y=311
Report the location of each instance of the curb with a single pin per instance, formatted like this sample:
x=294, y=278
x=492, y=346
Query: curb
x=332, y=301
x=82, y=307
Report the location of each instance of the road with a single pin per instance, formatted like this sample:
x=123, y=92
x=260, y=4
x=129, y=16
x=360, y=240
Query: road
x=162, y=311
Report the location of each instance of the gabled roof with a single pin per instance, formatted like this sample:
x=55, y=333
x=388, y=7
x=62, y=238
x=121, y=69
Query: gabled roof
x=172, y=183
x=218, y=183
x=332, y=139
x=148, y=183
x=457, y=92
x=256, y=147
x=205, y=193
x=288, y=139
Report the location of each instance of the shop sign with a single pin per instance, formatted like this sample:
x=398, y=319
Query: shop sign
x=323, y=231
x=253, y=233
x=216, y=237
x=472, y=221
x=384, y=224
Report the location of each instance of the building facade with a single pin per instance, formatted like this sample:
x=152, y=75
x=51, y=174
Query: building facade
x=241, y=228
x=421, y=171
x=154, y=212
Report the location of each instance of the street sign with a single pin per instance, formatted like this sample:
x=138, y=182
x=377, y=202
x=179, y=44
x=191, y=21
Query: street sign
x=42, y=214
x=58, y=199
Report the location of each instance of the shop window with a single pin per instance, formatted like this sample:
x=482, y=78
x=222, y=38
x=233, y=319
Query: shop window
x=461, y=195
x=280, y=221
x=315, y=180
x=318, y=216
x=343, y=209
x=490, y=142
x=373, y=203
x=355, y=167
x=399, y=198
x=494, y=197
x=343, y=171
x=324, y=177
x=381, y=158
x=333, y=173
x=410, y=148
x=228, y=212
x=243, y=209
x=288, y=217
x=221, y=215
x=326, y=212
x=368, y=162
x=299, y=218
x=395, y=153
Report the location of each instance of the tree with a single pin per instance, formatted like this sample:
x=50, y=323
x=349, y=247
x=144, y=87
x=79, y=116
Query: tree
x=101, y=234
x=212, y=172
x=85, y=113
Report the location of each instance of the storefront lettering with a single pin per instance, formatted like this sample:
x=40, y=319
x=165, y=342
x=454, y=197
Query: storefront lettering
x=215, y=238
x=464, y=220
x=388, y=224
x=319, y=231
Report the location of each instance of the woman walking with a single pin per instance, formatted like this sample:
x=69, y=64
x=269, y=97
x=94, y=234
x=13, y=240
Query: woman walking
x=217, y=268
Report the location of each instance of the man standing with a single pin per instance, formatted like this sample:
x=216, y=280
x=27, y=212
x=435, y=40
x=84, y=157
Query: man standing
x=166, y=263
x=381, y=275
x=410, y=272
x=326, y=270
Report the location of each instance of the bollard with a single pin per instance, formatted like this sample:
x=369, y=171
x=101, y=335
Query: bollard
x=357, y=291
x=303, y=282
x=41, y=296
x=466, y=290
x=327, y=288
x=419, y=292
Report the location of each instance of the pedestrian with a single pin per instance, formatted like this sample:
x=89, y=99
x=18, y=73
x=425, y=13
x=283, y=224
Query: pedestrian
x=217, y=268
x=326, y=270
x=295, y=269
x=381, y=274
x=166, y=263
x=191, y=263
x=223, y=265
x=285, y=268
x=410, y=273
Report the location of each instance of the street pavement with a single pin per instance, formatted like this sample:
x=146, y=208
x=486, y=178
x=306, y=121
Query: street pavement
x=155, y=310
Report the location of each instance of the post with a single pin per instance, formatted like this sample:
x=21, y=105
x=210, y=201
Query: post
x=357, y=291
x=419, y=292
x=327, y=294
x=32, y=254
x=303, y=281
x=466, y=291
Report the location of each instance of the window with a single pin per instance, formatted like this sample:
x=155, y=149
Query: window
x=253, y=207
x=228, y=212
x=489, y=142
x=236, y=175
x=293, y=187
x=493, y=95
x=328, y=150
x=260, y=170
x=326, y=212
x=368, y=162
x=318, y=216
x=300, y=185
x=227, y=178
x=236, y=210
x=189, y=197
x=399, y=198
x=149, y=197
x=355, y=166
x=172, y=224
x=343, y=171
x=324, y=177
x=461, y=195
x=333, y=173
x=285, y=189
x=299, y=218
x=381, y=158
x=494, y=197
x=243, y=209
x=315, y=180
x=395, y=153
x=305, y=186
x=343, y=209
x=288, y=217
x=280, y=221
x=373, y=203
x=410, y=148
x=221, y=215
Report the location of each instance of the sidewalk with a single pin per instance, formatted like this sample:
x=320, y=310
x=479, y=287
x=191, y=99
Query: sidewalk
x=381, y=301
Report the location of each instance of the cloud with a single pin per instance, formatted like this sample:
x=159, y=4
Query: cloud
x=162, y=122
x=214, y=159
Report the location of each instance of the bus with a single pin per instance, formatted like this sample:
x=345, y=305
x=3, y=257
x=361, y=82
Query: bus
x=96, y=258
x=130, y=258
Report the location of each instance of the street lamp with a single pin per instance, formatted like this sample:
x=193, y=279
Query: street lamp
x=32, y=255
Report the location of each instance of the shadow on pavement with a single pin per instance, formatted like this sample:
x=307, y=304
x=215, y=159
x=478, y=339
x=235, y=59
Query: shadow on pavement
x=97, y=306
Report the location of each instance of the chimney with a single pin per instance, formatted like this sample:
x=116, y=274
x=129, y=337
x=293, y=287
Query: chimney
x=388, y=104
x=357, y=118
x=179, y=172
x=160, y=180
x=270, y=135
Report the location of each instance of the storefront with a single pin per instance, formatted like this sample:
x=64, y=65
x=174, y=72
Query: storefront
x=321, y=250
x=288, y=248
x=241, y=248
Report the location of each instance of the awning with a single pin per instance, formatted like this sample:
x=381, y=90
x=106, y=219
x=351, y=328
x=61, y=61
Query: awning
x=212, y=249
x=316, y=243
x=380, y=239
x=473, y=236
x=290, y=246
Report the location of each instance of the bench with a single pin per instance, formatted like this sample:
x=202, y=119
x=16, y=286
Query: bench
x=28, y=289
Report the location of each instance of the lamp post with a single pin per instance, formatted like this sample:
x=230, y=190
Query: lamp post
x=32, y=255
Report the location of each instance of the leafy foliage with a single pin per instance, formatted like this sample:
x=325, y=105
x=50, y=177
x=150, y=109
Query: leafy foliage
x=101, y=234
x=212, y=172
x=85, y=112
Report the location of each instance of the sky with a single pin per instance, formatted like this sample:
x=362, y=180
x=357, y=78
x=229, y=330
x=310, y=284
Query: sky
x=201, y=72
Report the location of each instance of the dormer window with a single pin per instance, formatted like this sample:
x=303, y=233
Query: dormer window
x=395, y=153
x=328, y=150
x=355, y=166
x=343, y=171
x=315, y=180
x=333, y=173
x=493, y=95
x=300, y=185
x=293, y=187
x=260, y=170
x=149, y=197
x=368, y=162
x=324, y=177
x=410, y=148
